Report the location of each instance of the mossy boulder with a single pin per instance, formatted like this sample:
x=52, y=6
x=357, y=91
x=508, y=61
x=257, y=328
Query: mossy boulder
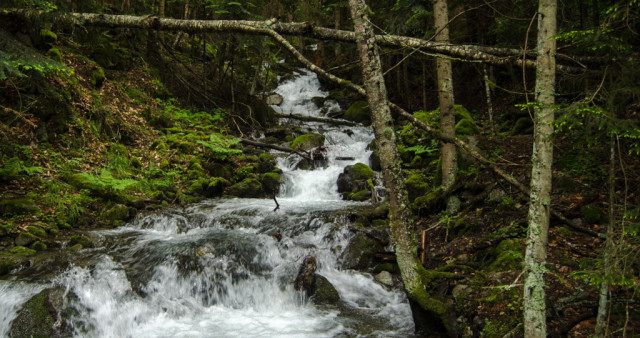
x=593, y=213
x=25, y=239
x=426, y=202
x=323, y=292
x=247, y=188
x=461, y=113
x=359, y=111
x=266, y=163
x=10, y=262
x=120, y=212
x=37, y=231
x=466, y=127
x=307, y=141
x=523, y=126
x=39, y=246
x=17, y=206
x=47, y=38
x=97, y=77
x=84, y=241
x=417, y=185
x=54, y=54
x=353, y=182
x=508, y=255
x=360, y=251
x=360, y=196
x=39, y=316
x=216, y=186
x=270, y=183
x=22, y=251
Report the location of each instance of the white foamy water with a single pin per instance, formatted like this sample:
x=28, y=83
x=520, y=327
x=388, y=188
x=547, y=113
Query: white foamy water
x=340, y=142
x=215, y=269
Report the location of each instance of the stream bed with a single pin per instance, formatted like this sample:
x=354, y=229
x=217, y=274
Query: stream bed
x=215, y=268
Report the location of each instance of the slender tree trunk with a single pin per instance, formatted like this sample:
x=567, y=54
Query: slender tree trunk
x=487, y=89
x=414, y=276
x=603, y=302
x=542, y=158
x=161, y=8
x=445, y=96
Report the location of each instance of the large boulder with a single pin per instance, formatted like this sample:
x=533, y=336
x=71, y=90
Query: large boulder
x=42, y=316
x=353, y=182
x=323, y=292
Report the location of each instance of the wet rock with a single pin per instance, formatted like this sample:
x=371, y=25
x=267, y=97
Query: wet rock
x=39, y=316
x=274, y=99
x=307, y=141
x=360, y=251
x=84, y=241
x=306, y=273
x=9, y=262
x=22, y=251
x=120, y=212
x=25, y=239
x=324, y=292
x=384, y=277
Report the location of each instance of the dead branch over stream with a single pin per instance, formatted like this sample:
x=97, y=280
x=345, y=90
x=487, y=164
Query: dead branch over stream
x=491, y=55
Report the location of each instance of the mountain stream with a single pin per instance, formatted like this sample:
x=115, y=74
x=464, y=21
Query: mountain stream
x=215, y=269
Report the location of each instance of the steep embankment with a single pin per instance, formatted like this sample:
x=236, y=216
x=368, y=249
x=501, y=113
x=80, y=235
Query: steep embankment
x=97, y=138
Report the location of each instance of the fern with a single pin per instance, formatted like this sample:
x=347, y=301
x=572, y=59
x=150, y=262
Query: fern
x=15, y=167
x=220, y=146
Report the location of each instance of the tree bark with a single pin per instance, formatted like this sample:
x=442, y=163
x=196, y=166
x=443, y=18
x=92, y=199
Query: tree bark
x=445, y=96
x=463, y=52
x=414, y=276
x=603, y=301
x=541, y=159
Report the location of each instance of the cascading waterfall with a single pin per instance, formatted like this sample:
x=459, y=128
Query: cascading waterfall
x=215, y=268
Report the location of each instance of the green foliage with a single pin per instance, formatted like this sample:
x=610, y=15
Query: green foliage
x=220, y=146
x=18, y=59
x=15, y=167
x=421, y=149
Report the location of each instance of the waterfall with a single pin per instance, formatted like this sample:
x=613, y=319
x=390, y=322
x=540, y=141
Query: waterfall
x=215, y=268
x=318, y=184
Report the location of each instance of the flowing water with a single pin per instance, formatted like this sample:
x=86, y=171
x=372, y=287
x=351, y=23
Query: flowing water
x=214, y=269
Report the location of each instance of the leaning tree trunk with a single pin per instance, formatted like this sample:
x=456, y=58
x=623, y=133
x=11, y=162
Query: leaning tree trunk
x=542, y=157
x=414, y=276
x=445, y=96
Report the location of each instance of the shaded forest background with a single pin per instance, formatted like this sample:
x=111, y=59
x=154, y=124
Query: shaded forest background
x=100, y=124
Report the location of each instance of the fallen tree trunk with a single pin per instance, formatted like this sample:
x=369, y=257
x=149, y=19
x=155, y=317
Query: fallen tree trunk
x=463, y=52
x=275, y=147
x=335, y=122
